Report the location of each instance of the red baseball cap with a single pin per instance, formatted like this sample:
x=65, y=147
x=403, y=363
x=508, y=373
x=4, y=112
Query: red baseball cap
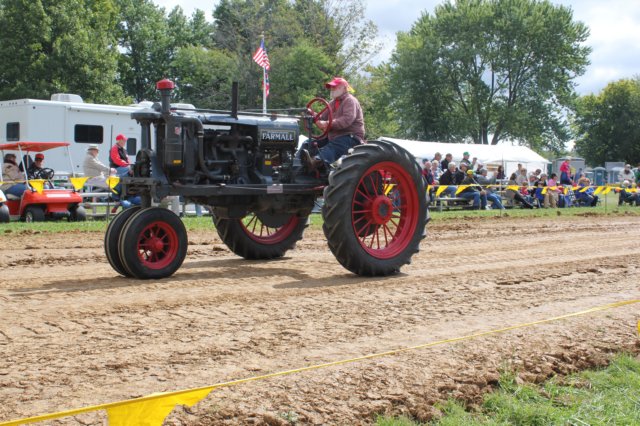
x=39, y=156
x=336, y=82
x=121, y=137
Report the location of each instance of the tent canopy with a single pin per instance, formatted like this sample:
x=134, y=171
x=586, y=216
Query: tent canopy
x=507, y=155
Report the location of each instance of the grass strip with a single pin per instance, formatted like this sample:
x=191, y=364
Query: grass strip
x=609, y=396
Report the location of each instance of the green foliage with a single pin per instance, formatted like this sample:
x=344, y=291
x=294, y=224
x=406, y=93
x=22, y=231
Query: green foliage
x=59, y=46
x=608, y=396
x=372, y=90
x=299, y=75
x=607, y=125
x=203, y=77
x=486, y=70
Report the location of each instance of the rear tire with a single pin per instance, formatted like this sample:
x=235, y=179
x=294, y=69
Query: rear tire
x=375, y=209
x=153, y=243
x=252, y=239
x=5, y=215
x=111, y=238
x=34, y=214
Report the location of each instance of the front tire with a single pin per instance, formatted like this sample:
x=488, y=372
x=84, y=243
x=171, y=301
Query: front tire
x=111, y=238
x=375, y=209
x=253, y=239
x=153, y=243
x=5, y=215
x=34, y=214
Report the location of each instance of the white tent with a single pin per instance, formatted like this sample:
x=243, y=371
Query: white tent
x=492, y=155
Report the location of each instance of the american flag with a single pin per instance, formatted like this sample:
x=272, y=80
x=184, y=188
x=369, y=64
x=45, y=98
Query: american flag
x=260, y=57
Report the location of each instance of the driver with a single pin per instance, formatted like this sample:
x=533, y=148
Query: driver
x=345, y=131
x=36, y=167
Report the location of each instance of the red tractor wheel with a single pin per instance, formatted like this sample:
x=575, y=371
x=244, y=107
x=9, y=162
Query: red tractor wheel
x=375, y=209
x=153, y=243
x=315, y=115
x=261, y=236
x=111, y=240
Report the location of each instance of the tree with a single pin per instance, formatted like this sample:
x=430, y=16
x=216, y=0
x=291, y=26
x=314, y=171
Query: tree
x=373, y=91
x=297, y=77
x=607, y=126
x=204, y=77
x=143, y=37
x=59, y=46
x=487, y=70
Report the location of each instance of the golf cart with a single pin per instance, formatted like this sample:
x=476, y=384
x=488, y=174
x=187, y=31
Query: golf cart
x=41, y=200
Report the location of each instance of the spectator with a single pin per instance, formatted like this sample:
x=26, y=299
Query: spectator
x=11, y=176
x=35, y=170
x=427, y=173
x=627, y=174
x=492, y=197
x=534, y=177
x=551, y=196
x=514, y=194
x=587, y=196
x=118, y=158
x=565, y=172
x=637, y=173
x=473, y=192
x=435, y=169
x=461, y=174
x=465, y=158
x=521, y=178
x=94, y=169
x=449, y=178
x=437, y=157
x=444, y=164
x=626, y=196
x=500, y=173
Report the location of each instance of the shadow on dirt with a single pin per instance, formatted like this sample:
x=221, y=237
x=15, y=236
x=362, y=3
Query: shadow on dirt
x=240, y=269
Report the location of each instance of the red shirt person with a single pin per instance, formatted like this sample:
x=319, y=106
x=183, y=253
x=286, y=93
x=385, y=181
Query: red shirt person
x=118, y=158
x=347, y=127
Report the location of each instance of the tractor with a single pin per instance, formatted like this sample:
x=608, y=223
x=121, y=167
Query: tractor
x=243, y=167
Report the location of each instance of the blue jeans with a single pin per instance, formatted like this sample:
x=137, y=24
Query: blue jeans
x=495, y=200
x=330, y=150
x=122, y=171
x=476, y=197
x=16, y=189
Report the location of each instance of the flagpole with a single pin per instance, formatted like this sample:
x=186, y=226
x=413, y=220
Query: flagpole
x=264, y=89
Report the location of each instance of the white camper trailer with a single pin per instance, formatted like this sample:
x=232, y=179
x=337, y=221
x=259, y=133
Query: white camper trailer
x=66, y=118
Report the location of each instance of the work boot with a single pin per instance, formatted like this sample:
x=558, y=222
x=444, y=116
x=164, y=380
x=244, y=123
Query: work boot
x=310, y=163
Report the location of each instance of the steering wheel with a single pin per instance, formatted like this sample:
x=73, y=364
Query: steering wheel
x=313, y=116
x=44, y=173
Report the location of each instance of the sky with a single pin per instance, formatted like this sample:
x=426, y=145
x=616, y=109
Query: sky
x=614, y=32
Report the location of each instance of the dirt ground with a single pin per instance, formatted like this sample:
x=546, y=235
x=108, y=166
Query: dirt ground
x=73, y=333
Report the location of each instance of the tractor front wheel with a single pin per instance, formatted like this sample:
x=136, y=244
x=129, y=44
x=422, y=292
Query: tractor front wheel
x=375, y=209
x=153, y=243
x=111, y=240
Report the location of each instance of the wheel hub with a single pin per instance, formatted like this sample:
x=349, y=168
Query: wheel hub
x=156, y=244
x=381, y=209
